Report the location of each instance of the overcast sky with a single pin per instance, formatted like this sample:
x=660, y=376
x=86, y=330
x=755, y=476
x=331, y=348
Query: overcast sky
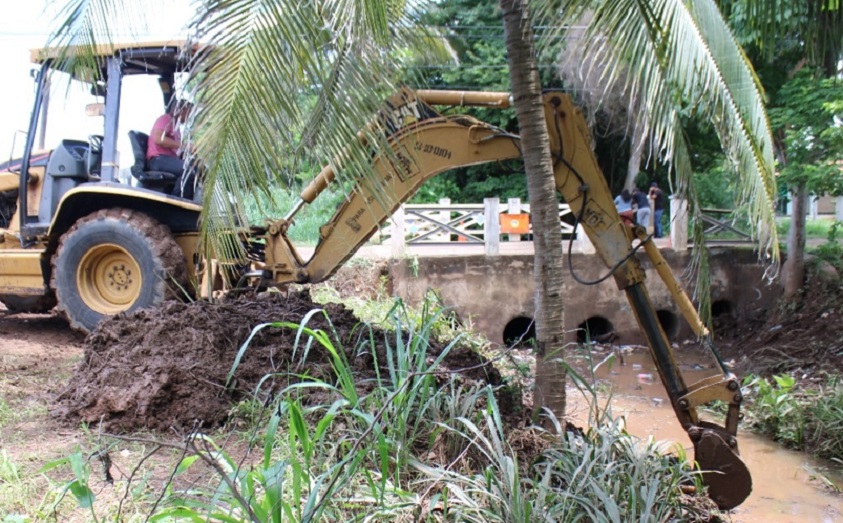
x=26, y=27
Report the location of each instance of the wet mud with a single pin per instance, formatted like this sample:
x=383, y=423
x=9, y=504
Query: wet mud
x=168, y=369
x=801, y=335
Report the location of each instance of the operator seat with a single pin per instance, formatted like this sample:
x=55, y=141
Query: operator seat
x=160, y=181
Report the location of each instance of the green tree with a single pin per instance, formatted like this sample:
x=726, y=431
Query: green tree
x=783, y=37
x=806, y=117
x=267, y=53
x=473, y=30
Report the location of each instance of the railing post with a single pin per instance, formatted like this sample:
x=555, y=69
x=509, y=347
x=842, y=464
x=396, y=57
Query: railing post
x=838, y=209
x=679, y=224
x=397, y=240
x=514, y=207
x=815, y=206
x=651, y=227
x=491, y=226
x=443, y=217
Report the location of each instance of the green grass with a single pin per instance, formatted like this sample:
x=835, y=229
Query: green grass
x=25, y=496
x=8, y=415
x=813, y=228
x=809, y=420
x=825, y=426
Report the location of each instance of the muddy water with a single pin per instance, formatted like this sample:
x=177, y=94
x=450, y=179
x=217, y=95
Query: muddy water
x=785, y=488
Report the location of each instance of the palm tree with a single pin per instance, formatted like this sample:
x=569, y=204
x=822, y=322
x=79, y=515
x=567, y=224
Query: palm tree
x=268, y=53
x=689, y=61
x=548, y=267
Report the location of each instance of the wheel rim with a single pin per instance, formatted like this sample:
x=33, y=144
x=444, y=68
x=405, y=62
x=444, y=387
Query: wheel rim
x=109, y=279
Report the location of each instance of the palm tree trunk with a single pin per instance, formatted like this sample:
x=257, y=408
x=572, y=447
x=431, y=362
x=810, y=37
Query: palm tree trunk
x=636, y=151
x=544, y=207
x=793, y=271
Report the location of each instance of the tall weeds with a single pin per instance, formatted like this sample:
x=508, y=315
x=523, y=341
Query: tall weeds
x=416, y=442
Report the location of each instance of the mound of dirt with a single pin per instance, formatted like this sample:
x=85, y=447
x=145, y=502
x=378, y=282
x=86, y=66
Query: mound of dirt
x=167, y=368
x=800, y=335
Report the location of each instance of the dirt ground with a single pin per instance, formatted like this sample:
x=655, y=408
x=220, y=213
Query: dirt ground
x=799, y=336
x=169, y=369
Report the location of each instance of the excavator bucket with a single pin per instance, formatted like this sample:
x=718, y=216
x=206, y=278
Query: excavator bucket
x=723, y=472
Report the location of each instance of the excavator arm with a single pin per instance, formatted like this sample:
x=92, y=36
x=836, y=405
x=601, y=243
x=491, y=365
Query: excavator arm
x=424, y=143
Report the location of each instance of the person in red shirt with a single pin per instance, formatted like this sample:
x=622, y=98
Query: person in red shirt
x=164, y=151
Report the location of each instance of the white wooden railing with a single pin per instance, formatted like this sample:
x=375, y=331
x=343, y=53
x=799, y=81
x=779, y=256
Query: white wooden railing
x=467, y=224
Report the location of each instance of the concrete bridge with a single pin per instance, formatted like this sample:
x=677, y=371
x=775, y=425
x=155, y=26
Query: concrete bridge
x=455, y=250
x=495, y=293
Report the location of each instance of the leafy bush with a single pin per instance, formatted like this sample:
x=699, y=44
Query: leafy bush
x=604, y=475
x=813, y=228
x=776, y=410
x=305, y=229
x=715, y=187
x=804, y=420
x=831, y=251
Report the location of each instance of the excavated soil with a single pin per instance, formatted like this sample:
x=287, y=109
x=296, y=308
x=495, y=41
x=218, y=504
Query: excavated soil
x=166, y=369
x=800, y=336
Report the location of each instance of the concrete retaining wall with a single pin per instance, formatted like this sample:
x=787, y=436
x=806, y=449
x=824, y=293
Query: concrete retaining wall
x=494, y=292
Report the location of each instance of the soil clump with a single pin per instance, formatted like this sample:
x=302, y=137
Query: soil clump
x=167, y=369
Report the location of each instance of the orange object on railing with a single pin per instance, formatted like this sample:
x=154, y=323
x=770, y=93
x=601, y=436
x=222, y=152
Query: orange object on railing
x=515, y=223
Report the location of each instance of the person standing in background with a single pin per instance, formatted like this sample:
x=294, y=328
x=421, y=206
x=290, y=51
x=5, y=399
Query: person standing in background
x=657, y=195
x=623, y=202
x=642, y=204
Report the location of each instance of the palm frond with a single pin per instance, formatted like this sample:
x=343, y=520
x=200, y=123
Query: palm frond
x=737, y=110
x=680, y=59
x=278, y=81
x=818, y=25
x=80, y=27
x=286, y=81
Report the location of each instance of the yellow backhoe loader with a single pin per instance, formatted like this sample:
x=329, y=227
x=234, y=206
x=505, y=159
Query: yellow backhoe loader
x=75, y=238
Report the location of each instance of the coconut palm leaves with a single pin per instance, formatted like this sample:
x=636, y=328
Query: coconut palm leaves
x=284, y=80
x=277, y=81
x=83, y=25
x=680, y=59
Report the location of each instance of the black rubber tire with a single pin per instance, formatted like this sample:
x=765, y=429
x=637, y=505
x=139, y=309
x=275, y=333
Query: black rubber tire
x=105, y=236
x=31, y=304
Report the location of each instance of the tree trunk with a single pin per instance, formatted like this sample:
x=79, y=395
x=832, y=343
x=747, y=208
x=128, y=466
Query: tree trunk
x=636, y=151
x=544, y=207
x=793, y=271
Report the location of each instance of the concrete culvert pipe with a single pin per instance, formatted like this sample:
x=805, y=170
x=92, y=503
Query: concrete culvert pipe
x=597, y=329
x=519, y=332
x=669, y=322
x=722, y=308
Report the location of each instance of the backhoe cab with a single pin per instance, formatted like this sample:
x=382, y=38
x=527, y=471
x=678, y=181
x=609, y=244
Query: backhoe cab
x=71, y=234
